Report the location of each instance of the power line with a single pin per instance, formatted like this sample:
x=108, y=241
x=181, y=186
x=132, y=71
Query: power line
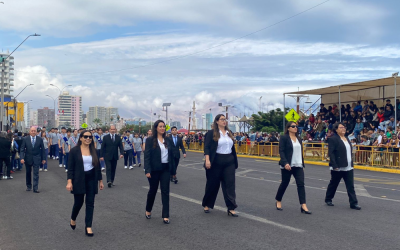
x=186, y=55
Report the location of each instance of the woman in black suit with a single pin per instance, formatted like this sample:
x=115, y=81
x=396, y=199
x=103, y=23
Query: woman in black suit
x=292, y=163
x=159, y=166
x=84, y=178
x=221, y=163
x=341, y=165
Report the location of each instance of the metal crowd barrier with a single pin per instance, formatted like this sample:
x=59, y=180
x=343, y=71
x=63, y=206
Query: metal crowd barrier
x=363, y=155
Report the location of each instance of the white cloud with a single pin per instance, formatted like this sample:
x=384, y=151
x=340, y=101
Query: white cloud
x=236, y=74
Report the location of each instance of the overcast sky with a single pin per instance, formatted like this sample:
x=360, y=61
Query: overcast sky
x=126, y=54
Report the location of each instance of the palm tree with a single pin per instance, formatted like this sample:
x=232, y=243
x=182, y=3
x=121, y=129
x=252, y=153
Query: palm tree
x=97, y=121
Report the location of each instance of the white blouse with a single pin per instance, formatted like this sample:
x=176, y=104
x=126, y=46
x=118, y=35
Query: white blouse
x=164, y=152
x=349, y=158
x=296, y=157
x=225, y=144
x=87, y=162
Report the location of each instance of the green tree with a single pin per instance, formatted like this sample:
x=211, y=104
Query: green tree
x=143, y=128
x=97, y=121
x=269, y=122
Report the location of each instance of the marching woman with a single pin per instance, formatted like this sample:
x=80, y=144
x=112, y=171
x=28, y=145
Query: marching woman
x=221, y=163
x=292, y=163
x=158, y=166
x=84, y=178
x=341, y=166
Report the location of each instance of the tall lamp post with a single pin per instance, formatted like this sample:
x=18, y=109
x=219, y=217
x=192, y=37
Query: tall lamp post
x=61, y=90
x=395, y=75
x=166, y=105
x=16, y=107
x=3, y=68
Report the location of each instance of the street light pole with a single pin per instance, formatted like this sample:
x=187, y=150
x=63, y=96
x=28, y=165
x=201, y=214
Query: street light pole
x=3, y=67
x=16, y=107
x=395, y=95
x=61, y=90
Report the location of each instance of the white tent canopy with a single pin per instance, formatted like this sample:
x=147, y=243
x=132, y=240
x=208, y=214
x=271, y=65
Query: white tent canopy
x=374, y=90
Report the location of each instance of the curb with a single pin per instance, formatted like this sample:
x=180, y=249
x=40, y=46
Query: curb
x=375, y=169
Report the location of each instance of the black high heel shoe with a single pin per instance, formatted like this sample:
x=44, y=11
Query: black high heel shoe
x=304, y=211
x=87, y=233
x=148, y=216
x=232, y=214
x=72, y=226
x=278, y=208
x=166, y=221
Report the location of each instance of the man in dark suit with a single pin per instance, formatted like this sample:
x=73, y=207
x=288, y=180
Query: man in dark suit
x=109, y=150
x=32, y=154
x=5, y=147
x=177, y=144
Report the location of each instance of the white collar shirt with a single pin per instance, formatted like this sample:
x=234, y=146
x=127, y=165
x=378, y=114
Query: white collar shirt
x=164, y=152
x=225, y=144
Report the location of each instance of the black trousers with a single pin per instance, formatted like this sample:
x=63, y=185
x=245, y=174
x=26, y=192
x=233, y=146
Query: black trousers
x=176, y=161
x=298, y=174
x=7, y=163
x=348, y=178
x=29, y=176
x=90, y=184
x=159, y=177
x=222, y=172
x=111, y=166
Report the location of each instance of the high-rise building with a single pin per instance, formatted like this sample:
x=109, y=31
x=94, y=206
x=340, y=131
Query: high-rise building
x=209, y=121
x=70, y=110
x=106, y=115
x=34, y=118
x=176, y=124
x=27, y=114
x=8, y=79
x=46, y=118
x=111, y=115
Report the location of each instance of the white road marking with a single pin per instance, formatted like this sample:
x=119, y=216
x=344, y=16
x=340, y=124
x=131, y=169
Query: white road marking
x=244, y=171
x=292, y=180
x=244, y=215
x=361, y=191
x=324, y=189
x=198, y=163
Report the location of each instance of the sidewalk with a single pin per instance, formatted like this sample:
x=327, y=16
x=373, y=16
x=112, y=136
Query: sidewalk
x=320, y=163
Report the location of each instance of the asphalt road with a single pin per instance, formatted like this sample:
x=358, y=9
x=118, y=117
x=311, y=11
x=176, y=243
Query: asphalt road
x=41, y=221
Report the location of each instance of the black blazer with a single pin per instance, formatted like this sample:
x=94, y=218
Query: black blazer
x=337, y=152
x=152, y=156
x=210, y=148
x=179, y=145
x=33, y=155
x=76, y=171
x=286, y=150
x=5, y=147
x=109, y=149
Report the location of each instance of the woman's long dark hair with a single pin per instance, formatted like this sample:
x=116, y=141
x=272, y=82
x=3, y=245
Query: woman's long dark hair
x=215, y=129
x=92, y=149
x=287, y=128
x=155, y=134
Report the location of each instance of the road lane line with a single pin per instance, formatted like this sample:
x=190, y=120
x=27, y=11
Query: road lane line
x=244, y=171
x=244, y=215
x=361, y=191
x=324, y=189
